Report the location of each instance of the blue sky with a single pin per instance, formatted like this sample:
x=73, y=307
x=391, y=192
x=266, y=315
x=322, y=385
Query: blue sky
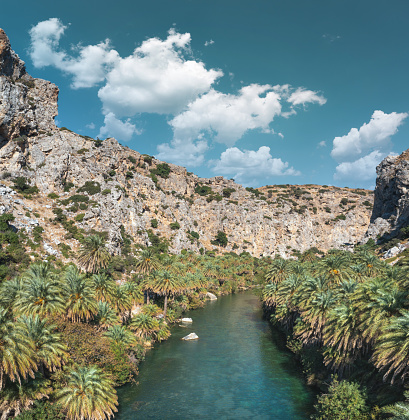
x=265, y=92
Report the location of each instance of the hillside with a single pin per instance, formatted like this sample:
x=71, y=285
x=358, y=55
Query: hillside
x=86, y=185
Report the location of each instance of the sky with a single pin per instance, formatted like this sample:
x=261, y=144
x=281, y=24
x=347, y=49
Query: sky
x=262, y=91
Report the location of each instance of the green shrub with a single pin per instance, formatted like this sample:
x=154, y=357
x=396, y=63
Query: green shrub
x=154, y=223
x=147, y=159
x=68, y=186
x=90, y=187
x=53, y=196
x=129, y=175
x=327, y=209
x=220, y=240
x=203, y=190
x=82, y=151
x=21, y=184
x=175, y=226
x=344, y=401
x=162, y=170
x=227, y=192
x=131, y=159
x=194, y=234
x=79, y=217
x=106, y=191
x=111, y=173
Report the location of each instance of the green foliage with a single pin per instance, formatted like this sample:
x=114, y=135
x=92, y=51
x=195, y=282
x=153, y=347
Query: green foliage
x=68, y=186
x=154, y=223
x=203, y=190
x=106, y=191
x=147, y=159
x=131, y=159
x=162, y=170
x=159, y=245
x=82, y=151
x=227, y=192
x=21, y=185
x=129, y=175
x=327, y=209
x=90, y=187
x=344, y=201
x=112, y=172
x=76, y=198
x=221, y=239
x=344, y=401
x=43, y=410
x=79, y=217
x=174, y=225
x=254, y=191
x=194, y=234
x=53, y=196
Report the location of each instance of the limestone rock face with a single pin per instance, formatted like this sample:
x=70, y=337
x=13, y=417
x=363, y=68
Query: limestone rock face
x=27, y=105
x=391, y=201
x=134, y=194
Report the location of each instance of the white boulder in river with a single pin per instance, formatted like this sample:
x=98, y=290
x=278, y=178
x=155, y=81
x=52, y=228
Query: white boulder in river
x=191, y=336
x=190, y=320
x=211, y=296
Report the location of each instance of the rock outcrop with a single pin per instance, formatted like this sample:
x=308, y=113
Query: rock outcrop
x=104, y=186
x=391, y=201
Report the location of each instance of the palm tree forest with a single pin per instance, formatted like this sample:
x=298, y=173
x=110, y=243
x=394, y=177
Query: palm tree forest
x=70, y=334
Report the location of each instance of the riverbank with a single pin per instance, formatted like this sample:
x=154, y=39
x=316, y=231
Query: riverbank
x=234, y=370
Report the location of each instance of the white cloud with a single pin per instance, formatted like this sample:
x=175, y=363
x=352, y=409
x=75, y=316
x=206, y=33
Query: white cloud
x=322, y=143
x=303, y=96
x=249, y=166
x=91, y=126
x=156, y=78
x=207, y=43
x=228, y=116
x=374, y=135
x=183, y=153
x=116, y=128
x=362, y=169
x=88, y=69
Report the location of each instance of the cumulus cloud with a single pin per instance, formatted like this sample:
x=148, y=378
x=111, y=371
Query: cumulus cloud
x=251, y=166
x=304, y=96
x=162, y=76
x=156, y=78
x=322, y=144
x=183, y=153
x=228, y=116
x=362, y=169
x=88, y=69
x=113, y=127
x=374, y=135
x=91, y=126
x=207, y=43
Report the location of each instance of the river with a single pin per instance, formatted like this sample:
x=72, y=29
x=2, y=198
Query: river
x=236, y=370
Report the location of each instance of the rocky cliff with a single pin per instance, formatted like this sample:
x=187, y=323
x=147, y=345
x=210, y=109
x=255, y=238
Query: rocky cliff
x=86, y=185
x=391, y=202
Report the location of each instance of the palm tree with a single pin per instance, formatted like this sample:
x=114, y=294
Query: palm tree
x=166, y=284
x=335, y=267
x=104, y=287
x=106, y=316
x=9, y=291
x=146, y=262
x=392, y=348
x=41, y=292
x=120, y=335
x=144, y=325
x=89, y=394
x=81, y=302
x=399, y=410
x=17, y=357
x=20, y=396
x=48, y=346
x=278, y=270
x=93, y=254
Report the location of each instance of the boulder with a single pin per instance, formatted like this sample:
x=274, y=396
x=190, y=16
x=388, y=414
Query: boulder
x=187, y=320
x=211, y=296
x=191, y=336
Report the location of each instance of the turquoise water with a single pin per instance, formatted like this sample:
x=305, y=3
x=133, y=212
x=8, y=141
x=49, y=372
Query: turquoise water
x=234, y=371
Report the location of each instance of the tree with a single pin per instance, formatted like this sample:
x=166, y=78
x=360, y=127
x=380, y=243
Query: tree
x=221, y=239
x=103, y=286
x=344, y=401
x=399, y=410
x=120, y=335
x=17, y=357
x=144, y=325
x=81, y=303
x=106, y=316
x=93, y=254
x=165, y=283
x=41, y=292
x=89, y=394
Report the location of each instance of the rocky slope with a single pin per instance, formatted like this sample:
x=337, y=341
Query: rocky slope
x=104, y=186
x=391, y=203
